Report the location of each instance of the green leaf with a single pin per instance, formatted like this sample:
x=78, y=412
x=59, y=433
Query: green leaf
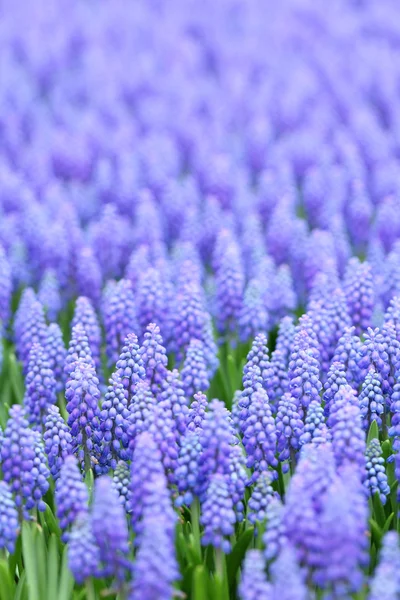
x=66, y=584
x=373, y=433
x=387, y=524
x=219, y=581
x=15, y=378
x=7, y=584
x=29, y=556
x=386, y=449
x=41, y=559
x=16, y=558
x=379, y=513
x=52, y=568
x=22, y=591
x=195, y=521
x=234, y=560
x=376, y=532
x=52, y=522
x=89, y=480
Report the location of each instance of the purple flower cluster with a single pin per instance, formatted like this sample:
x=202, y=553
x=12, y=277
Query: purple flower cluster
x=200, y=292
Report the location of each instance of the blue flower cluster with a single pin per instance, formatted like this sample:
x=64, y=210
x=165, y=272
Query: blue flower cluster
x=200, y=297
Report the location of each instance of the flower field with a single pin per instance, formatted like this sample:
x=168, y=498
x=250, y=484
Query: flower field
x=199, y=300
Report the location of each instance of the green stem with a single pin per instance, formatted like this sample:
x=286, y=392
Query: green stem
x=90, y=591
x=292, y=460
x=195, y=520
x=281, y=481
x=221, y=575
x=219, y=563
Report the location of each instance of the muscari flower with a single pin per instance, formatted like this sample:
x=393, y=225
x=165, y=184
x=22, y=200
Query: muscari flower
x=305, y=499
x=197, y=412
x=254, y=584
x=148, y=485
x=216, y=438
x=85, y=314
x=253, y=314
x=130, y=365
x=252, y=381
x=385, y=584
x=40, y=387
x=9, y=526
x=393, y=350
x=5, y=288
x=119, y=318
x=57, y=440
x=121, y=483
x=335, y=379
x=82, y=394
x=88, y=276
x=374, y=354
x=289, y=427
x=315, y=429
x=193, y=321
x=49, y=294
x=341, y=544
x=304, y=383
x=172, y=398
x=162, y=428
x=283, y=299
x=78, y=349
x=257, y=361
x=323, y=327
x=155, y=569
x=24, y=462
x=394, y=430
x=260, y=498
x=217, y=513
x=347, y=353
x=110, y=529
x=56, y=353
x=154, y=357
x=371, y=399
x=33, y=330
x=139, y=262
x=376, y=480
x=237, y=480
x=274, y=536
x=280, y=380
x=348, y=438
x=83, y=552
x=359, y=291
x=194, y=374
x=287, y=577
x=393, y=314
x=187, y=469
x=114, y=423
x=285, y=337
x=345, y=396
x=108, y=235
x=152, y=302
x=28, y=297
x=229, y=283
x=141, y=412
x=71, y=495
x=259, y=434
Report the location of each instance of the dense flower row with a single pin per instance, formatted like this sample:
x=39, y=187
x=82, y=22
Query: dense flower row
x=200, y=295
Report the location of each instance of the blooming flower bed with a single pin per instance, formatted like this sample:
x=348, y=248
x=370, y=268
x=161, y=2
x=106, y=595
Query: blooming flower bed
x=199, y=300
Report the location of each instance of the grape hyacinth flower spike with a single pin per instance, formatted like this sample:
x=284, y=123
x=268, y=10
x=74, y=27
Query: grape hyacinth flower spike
x=57, y=440
x=72, y=496
x=82, y=395
x=40, y=393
